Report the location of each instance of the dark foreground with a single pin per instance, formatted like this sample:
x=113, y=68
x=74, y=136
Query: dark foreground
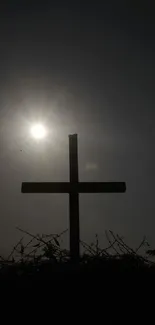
x=40, y=261
x=99, y=272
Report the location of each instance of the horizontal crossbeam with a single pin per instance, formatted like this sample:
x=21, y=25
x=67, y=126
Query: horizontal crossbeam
x=66, y=187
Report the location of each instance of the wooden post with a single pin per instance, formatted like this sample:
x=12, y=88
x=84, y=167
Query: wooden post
x=74, y=198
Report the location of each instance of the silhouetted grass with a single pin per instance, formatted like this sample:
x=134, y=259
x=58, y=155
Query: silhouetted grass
x=41, y=256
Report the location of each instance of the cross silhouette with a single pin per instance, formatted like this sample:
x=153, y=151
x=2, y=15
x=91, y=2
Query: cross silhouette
x=73, y=188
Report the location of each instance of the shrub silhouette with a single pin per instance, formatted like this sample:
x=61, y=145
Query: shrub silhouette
x=40, y=255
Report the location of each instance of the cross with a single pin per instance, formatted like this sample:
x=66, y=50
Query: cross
x=73, y=188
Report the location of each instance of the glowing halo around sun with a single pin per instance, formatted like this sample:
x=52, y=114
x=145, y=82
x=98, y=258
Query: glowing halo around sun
x=38, y=131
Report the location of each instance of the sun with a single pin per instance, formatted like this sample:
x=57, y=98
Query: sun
x=38, y=131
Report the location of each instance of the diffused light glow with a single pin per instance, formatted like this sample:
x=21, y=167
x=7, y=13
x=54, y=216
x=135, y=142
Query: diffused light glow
x=38, y=131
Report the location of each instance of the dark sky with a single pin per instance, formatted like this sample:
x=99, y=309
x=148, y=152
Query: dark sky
x=83, y=67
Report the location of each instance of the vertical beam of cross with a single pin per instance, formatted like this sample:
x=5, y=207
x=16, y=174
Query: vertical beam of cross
x=74, y=198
